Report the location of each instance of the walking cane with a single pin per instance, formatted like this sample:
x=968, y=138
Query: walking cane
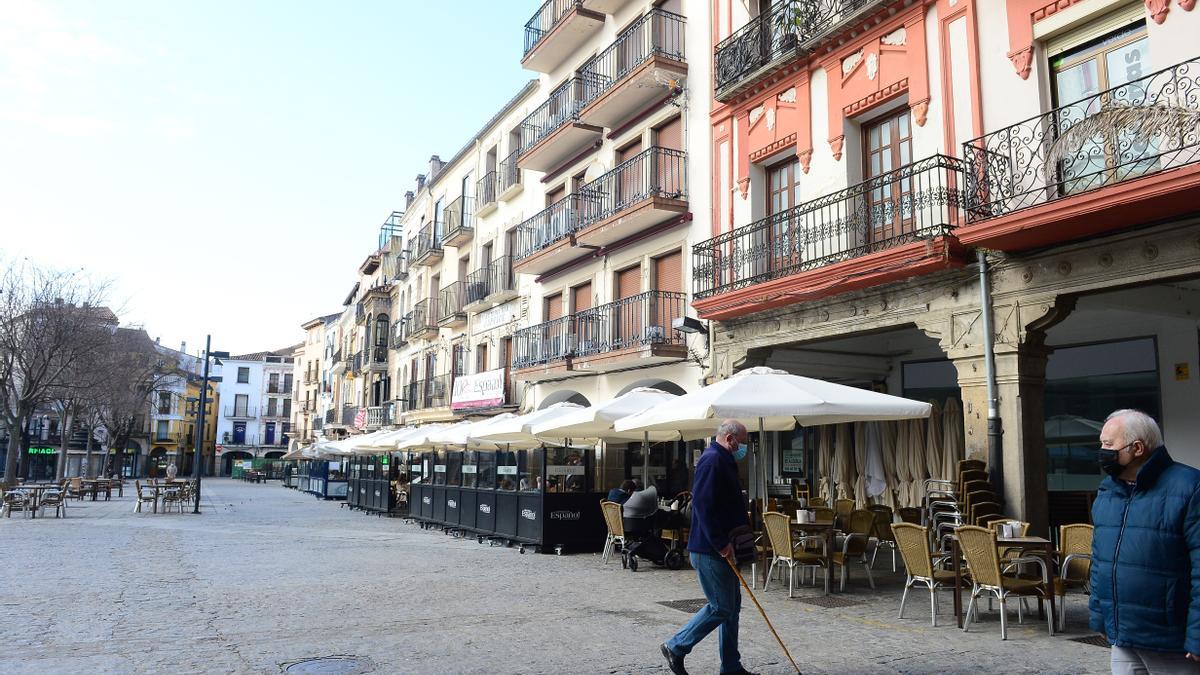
x=764, y=614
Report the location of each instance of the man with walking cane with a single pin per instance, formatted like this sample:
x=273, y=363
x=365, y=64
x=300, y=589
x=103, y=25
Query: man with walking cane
x=718, y=507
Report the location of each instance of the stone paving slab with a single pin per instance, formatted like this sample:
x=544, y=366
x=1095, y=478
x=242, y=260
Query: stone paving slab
x=268, y=576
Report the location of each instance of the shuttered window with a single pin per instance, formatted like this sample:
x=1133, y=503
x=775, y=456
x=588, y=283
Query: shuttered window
x=668, y=272
x=670, y=135
x=629, y=282
x=581, y=297
x=553, y=307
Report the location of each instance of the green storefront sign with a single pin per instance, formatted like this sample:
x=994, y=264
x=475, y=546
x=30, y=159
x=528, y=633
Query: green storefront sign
x=43, y=451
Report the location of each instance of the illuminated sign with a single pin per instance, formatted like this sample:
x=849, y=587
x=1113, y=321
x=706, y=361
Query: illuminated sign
x=43, y=451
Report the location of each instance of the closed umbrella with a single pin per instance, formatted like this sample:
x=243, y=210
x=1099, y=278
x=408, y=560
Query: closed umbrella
x=916, y=450
x=843, y=461
x=933, y=441
x=903, y=473
x=887, y=441
x=825, y=463
x=860, y=465
x=952, y=438
x=875, y=481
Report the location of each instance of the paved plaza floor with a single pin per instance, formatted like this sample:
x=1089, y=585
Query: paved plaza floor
x=267, y=577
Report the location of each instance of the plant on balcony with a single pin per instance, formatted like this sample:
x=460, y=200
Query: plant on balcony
x=1123, y=124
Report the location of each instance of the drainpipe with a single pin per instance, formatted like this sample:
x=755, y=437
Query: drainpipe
x=995, y=432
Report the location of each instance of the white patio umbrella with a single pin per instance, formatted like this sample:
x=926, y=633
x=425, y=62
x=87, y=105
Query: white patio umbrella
x=383, y=442
x=770, y=400
x=515, y=430
x=423, y=438
x=952, y=438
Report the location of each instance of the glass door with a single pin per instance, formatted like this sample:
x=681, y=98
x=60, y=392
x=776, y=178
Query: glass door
x=888, y=146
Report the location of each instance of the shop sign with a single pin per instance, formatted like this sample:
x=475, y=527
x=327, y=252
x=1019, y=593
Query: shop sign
x=415, y=468
x=43, y=451
x=426, y=500
x=470, y=468
x=564, y=515
x=793, y=461
x=481, y=390
x=528, y=514
x=494, y=318
x=439, y=468
x=571, y=470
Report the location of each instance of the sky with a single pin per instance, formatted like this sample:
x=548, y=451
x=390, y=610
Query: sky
x=227, y=164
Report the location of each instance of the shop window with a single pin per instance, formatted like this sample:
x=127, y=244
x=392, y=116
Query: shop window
x=565, y=470
x=529, y=463
x=1083, y=385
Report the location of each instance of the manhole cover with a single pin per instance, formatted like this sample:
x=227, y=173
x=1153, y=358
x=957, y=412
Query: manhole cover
x=689, y=606
x=329, y=665
x=1094, y=640
x=829, y=601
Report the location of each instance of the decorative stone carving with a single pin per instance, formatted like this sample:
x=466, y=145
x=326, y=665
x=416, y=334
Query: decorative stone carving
x=920, y=112
x=756, y=114
x=770, y=119
x=895, y=38
x=1022, y=61
x=1157, y=9
x=1064, y=267
x=835, y=144
x=788, y=96
x=851, y=62
x=872, y=65
x=1150, y=252
x=743, y=186
x=1187, y=5
x=805, y=157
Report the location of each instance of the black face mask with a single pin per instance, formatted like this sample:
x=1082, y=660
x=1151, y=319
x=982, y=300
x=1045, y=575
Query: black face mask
x=1110, y=460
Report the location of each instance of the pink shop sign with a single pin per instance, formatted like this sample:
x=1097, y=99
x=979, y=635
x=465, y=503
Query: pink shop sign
x=481, y=390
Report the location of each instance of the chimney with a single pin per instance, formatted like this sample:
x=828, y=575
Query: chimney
x=408, y=198
x=420, y=181
x=183, y=347
x=435, y=166
x=158, y=340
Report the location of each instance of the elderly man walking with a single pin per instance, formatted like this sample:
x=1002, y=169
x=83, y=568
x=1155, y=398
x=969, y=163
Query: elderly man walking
x=717, y=508
x=1145, y=578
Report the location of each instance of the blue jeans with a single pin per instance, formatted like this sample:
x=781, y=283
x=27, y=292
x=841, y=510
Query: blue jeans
x=724, y=596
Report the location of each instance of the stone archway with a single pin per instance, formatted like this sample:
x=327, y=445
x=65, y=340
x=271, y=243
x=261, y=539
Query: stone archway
x=568, y=395
x=654, y=383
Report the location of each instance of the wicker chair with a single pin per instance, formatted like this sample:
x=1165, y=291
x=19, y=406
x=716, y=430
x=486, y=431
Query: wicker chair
x=854, y=545
x=1075, y=551
x=74, y=488
x=143, y=496
x=784, y=549
x=913, y=541
x=55, y=499
x=910, y=514
x=615, y=539
x=978, y=546
x=817, y=501
x=16, y=499
x=884, y=538
x=175, y=497
x=971, y=465
x=842, y=508
x=823, y=515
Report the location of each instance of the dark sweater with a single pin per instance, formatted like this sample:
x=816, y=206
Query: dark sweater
x=717, y=502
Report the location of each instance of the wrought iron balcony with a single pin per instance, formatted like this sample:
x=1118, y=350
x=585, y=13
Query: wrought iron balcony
x=407, y=399
x=544, y=343
x=429, y=243
x=510, y=176
x=460, y=222
x=624, y=78
x=348, y=414
x=543, y=239
x=311, y=377
x=786, y=30
x=553, y=133
x=277, y=413
x=423, y=320
x=478, y=286
x=432, y=392
x=1143, y=127
x=451, y=303
x=502, y=286
x=919, y=201
x=235, y=412
x=395, y=264
x=399, y=339
x=645, y=190
x=378, y=357
x=555, y=30
x=487, y=191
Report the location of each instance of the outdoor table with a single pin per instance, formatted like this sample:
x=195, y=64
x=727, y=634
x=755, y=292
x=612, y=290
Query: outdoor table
x=35, y=490
x=828, y=529
x=94, y=485
x=1027, y=543
x=160, y=487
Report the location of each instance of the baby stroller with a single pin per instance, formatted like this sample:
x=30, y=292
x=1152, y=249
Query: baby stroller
x=643, y=537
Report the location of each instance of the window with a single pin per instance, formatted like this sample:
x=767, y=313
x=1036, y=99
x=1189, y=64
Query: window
x=783, y=186
x=162, y=431
x=243, y=375
x=459, y=359
x=271, y=406
x=287, y=407
x=164, y=403
x=287, y=383
x=273, y=383
x=481, y=357
x=888, y=146
x=241, y=405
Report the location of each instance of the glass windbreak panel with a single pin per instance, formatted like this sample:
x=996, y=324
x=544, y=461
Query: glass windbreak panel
x=470, y=469
x=1083, y=385
x=529, y=463
x=486, y=470
x=611, y=463
x=507, y=471
x=337, y=470
x=439, y=468
x=454, y=462
x=418, y=468
x=679, y=475
x=565, y=470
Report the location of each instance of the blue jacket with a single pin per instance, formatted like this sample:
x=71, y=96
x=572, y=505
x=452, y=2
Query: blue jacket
x=1145, y=579
x=617, y=495
x=717, y=502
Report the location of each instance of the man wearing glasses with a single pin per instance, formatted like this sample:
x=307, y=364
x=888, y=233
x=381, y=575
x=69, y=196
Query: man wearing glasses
x=1145, y=573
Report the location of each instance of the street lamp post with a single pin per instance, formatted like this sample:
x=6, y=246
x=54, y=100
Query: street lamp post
x=198, y=456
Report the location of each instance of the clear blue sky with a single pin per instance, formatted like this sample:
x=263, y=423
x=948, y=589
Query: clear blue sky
x=258, y=144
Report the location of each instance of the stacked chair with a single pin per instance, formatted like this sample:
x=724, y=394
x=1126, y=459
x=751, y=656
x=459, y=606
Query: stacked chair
x=967, y=501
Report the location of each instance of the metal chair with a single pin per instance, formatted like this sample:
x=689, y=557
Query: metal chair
x=854, y=545
x=16, y=498
x=784, y=549
x=615, y=540
x=143, y=496
x=55, y=499
x=884, y=538
x=1075, y=550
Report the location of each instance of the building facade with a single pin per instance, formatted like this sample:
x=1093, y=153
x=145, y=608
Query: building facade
x=256, y=407
x=873, y=161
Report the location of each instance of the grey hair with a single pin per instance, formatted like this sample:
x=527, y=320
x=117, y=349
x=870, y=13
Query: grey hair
x=1138, y=426
x=730, y=427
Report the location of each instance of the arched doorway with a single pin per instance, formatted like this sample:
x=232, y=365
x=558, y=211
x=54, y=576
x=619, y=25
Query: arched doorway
x=661, y=385
x=156, y=467
x=229, y=457
x=567, y=395
x=274, y=454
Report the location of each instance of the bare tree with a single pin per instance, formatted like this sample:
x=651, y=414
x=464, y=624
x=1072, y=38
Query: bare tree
x=132, y=373
x=49, y=327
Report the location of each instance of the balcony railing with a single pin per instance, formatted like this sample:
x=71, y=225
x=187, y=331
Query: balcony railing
x=544, y=19
x=423, y=318
x=460, y=219
x=658, y=33
x=395, y=264
x=637, y=321
x=478, y=285
x=919, y=201
x=1139, y=128
x=451, y=302
x=776, y=35
x=544, y=343
x=379, y=355
x=240, y=412
x=562, y=107
x=553, y=224
x=337, y=357
x=277, y=413
x=399, y=338
x=486, y=190
x=389, y=232
x=379, y=416
x=279, y=388
x=408, y=396
x=510, y=173
x=502, y=280
x=348, y=414
x=311, y=377
x=429, y=241
x=655, y=172
x=360, y=312
x=434, y=392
